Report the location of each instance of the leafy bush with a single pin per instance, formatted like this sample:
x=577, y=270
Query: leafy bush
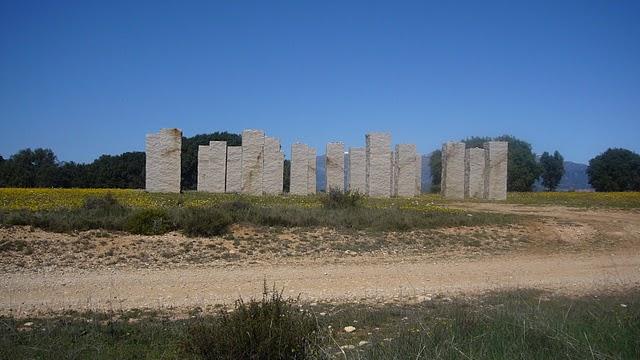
x=107, y=202
x=149, y=222
x=272, y=328
x=204, y=221
x=336, y=199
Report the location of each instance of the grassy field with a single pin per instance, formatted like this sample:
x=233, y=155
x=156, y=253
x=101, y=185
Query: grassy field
x=50, y=199
x=517, y=324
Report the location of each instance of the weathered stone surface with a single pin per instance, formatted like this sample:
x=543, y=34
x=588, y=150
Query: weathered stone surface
x=452, y=186
x=378, y=165
x=272, y=179
x=234, y=169
x=217, y=173
x=311, y=170
x=252, y=161
x=418, y=174
x=405, y=169
x=496, y=159
x=163, y=161
x=357, y=170
x=299, y=169
x=203, y=167
x=334, y=168
x=474, y=173
x=393, y=190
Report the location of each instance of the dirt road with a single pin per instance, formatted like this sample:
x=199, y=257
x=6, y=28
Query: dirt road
x=613, y=263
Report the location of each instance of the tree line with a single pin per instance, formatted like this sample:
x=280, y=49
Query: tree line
x=613, y=170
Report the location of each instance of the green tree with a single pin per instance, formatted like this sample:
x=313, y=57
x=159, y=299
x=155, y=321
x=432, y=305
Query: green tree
x=190, y=154
x=435, y=163
x=615, y=170
x=29, y=168
x=552, y=169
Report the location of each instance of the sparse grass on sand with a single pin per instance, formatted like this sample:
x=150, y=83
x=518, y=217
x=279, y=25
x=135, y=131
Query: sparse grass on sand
x=515, y=324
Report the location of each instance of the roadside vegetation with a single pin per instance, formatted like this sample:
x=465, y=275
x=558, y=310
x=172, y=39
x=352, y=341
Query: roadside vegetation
x=212, y=216
x=515, y=324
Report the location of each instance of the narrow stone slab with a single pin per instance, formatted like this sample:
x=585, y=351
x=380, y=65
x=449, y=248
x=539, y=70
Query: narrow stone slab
x=405, y=169
x=299, y=169
x=418, y=174
x=378, y=165
x=163, y=161
x=452, y=186
x=334, y=168
x=252, y=161
x=272, y=179
x=234, y=169
x=474, y=173
x=203, y=167
x=217, y=173
x=357, y=170
x=496, y=160
x=311, y=170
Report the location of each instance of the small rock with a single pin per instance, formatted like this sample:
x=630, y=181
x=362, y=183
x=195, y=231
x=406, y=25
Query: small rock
x=623, y=305
x=349, y=329
x=31, y=324
x=363, y=343
x=323, y=313
x=347, y=347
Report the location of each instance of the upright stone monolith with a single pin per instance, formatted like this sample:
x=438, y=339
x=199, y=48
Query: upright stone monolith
x=299, y=169
x=203, y=167
x=311, y=171
x=378, y=164
x=452, y=185
x=496, y=160
x=234, y=169
x=334, y=168
x=272, y=179
x=357, y=170
x=163, y=164
x=418, y=174
x=474, y=173
x=217, y=172
x=405, y=170
x=252, y=161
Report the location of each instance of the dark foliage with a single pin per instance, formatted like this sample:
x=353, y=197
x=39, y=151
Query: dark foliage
x=552, y=170
x=615, y=170
x=337, y=199
x=204, y=221
x=149, y=222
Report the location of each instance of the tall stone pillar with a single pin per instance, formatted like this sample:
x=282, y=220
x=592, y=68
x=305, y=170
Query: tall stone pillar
x=217, y=172
x=334, y=169
x=311, y=170
x=496, y=160
x=163, y=161
x=273, y=166
x=299, y=169
x=452, y=185
x=252, y=161
x=418, y=174
x=405, y=169
x=357, y=170
x=378, y=165
x=474, y=173
x=203, y=167
x=234, y=169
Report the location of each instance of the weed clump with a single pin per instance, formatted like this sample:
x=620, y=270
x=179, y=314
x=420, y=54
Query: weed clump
x=336, y=199
x=106, y=203
x=149, y=222
x=204, y=221
x=271, y=328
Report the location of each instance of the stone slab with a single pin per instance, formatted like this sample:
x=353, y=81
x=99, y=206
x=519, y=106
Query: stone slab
x=217, y=173
x=252, y=161
x=496, y=160
x=452, y=186
x=163, y=161
x=272, y=180
x=378, y=164
x=418, y=174
x=357, y=170
x=234, y=169
x=334, y=168
x=203, y=166
x=299, y=169
x=474, y=173
x=405, y=170
x=312, y=166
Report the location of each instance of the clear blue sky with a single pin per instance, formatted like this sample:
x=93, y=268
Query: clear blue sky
x=89, y=78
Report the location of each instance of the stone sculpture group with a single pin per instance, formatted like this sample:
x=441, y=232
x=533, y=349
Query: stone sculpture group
x=479, y=173
x=376, y=170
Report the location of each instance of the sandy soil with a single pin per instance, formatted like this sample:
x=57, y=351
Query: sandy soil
x=563, y=250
